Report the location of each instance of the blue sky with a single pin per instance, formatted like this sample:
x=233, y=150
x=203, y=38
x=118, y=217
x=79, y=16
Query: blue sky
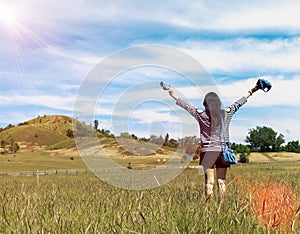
x=47, y=49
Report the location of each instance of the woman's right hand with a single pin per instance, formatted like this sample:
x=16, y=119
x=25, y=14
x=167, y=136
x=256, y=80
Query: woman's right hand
x=171, y=93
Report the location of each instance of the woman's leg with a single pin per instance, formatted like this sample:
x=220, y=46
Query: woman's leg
x=209, y=183
x=221, y=178
x=207, y=160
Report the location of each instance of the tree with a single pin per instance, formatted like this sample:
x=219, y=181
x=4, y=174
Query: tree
x=96, y=124
x=15, y=147
x=173, y=143
x=70, y=133
x=144, y=139
x=107, y=133
x=166, y=143
x=293, y=146
x=156, y=140
x=279, y=141
x=265, y=139
x=125, y=135
x=3, y=143
x=9, y=126
x=133, y=136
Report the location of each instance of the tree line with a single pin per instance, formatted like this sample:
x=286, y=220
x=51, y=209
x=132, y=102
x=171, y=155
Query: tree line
x=262, y=139
x=259, y=139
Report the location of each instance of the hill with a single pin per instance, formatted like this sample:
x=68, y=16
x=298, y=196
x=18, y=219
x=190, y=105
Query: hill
x=48, y=130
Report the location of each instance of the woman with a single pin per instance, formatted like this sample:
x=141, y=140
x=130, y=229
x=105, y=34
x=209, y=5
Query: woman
x=214, y=124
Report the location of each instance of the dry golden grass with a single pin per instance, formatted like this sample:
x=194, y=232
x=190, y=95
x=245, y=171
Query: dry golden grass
x=273, y=156
x=124, y=156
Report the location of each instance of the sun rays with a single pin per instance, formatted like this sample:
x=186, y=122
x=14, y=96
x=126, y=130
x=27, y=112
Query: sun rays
x=29, y=50
x=7, y=15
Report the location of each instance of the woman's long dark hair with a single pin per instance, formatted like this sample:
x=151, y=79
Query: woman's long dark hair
x=213, y=108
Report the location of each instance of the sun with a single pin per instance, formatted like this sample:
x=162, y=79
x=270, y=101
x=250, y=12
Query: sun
x=7, y=16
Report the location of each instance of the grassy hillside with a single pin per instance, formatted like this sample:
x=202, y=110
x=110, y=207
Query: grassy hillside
x=41, y=131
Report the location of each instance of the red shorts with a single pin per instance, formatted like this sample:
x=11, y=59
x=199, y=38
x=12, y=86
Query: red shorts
x=212, y=159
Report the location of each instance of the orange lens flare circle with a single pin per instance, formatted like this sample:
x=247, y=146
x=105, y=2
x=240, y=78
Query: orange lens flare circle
x=275, y=205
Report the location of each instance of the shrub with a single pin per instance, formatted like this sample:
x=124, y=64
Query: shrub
x=244, y=158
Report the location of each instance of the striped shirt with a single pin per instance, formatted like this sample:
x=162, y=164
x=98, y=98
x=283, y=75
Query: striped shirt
x=215, y=142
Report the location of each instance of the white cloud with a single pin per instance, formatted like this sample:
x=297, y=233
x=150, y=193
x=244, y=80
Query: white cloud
x=260, y=14
x=152, y=115
x=229, y=15
x=233, y=15
x=287, y=126
x=284, y=92
x=55, y=102
x=246, y=54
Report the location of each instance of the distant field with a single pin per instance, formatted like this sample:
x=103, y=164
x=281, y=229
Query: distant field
x=34, y=160
x=41, y=159
x=274, y=157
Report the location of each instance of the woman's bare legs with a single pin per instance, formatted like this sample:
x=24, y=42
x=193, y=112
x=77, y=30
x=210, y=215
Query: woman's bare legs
x=221, y=179
x=209, y=183
x=209, y=159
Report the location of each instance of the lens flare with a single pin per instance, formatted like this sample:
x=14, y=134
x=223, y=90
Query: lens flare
x=275, y=205
x=7, y=16
x=30, y=45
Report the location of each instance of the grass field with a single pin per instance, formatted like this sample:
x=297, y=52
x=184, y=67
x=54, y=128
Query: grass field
x=262, y=197
x=40, y=160
x=85, y=204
